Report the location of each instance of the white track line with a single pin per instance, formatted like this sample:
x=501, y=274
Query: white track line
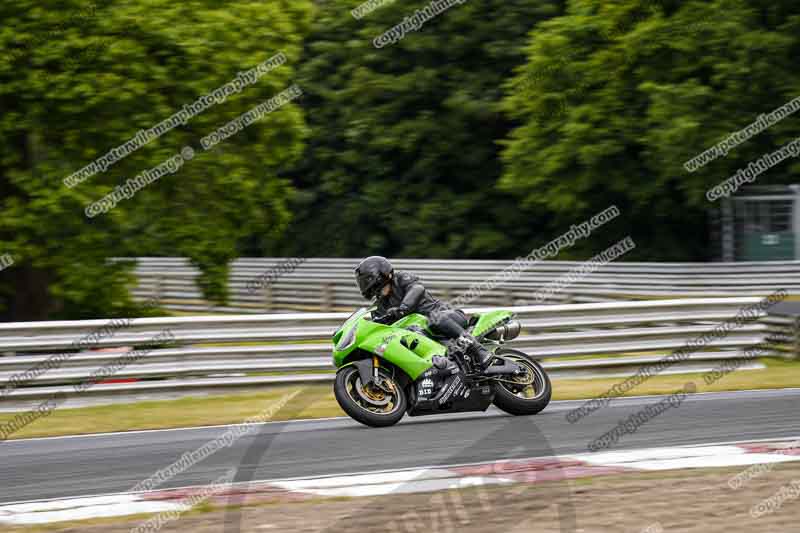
x=419, y=479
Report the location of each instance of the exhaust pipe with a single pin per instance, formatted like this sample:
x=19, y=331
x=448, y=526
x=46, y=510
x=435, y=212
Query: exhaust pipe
x=506, y=332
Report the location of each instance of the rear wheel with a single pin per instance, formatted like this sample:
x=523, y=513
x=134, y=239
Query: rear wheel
x=526, y=394
x=371, y=405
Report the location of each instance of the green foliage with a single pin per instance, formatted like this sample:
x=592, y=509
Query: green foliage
x=403, y=159
x=642, y=87
x=77, y=81
x=486, y=133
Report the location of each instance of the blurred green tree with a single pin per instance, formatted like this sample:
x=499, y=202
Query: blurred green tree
x=78, y=79
x=403, y=159
x=644, y=86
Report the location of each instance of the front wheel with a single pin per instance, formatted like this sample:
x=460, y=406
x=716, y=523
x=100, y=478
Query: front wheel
x=526, y=394
x=371, y=405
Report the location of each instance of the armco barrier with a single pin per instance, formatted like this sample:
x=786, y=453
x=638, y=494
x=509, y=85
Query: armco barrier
x=295, y=347
x=319, y=284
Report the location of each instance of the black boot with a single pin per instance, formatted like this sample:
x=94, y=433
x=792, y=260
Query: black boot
x=476, y=351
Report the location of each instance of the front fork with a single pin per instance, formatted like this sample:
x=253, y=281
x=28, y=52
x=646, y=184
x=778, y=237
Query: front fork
x=369, y=372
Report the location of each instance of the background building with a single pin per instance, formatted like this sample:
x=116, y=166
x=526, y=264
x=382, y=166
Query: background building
x=760, y=223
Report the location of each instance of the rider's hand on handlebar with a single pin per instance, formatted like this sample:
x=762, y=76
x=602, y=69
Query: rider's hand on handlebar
x=393, y=314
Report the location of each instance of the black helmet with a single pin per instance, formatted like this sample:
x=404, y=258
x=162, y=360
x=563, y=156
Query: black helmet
x=372, y=274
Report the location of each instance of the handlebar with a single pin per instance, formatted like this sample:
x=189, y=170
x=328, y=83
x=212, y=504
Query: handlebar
x=379, y=318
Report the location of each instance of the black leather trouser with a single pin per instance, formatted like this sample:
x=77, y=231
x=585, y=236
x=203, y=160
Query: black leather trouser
x=451, y=323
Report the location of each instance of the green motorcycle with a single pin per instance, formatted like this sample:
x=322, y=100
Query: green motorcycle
x=388, y=370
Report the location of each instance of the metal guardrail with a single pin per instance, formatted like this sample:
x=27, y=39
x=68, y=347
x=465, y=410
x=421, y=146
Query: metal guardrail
x=320, y=284
x=297, y=346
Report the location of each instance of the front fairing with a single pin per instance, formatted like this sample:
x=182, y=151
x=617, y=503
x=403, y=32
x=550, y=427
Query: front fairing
x=346, y=337
x=408, y=350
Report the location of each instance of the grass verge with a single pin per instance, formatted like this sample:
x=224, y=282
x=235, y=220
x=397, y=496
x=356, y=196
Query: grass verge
x=237, y=407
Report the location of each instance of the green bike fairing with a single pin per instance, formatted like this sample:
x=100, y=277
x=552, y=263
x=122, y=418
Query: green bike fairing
x=406, y=349
x=488, y=321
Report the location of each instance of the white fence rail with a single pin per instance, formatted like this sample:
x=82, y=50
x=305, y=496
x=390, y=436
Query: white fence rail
x=290, y=348
x=327, y=284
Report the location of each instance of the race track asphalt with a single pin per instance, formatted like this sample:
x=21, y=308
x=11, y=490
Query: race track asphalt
x=99, y=464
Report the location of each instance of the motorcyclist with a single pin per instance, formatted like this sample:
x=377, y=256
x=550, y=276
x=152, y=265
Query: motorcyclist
x=400, y=293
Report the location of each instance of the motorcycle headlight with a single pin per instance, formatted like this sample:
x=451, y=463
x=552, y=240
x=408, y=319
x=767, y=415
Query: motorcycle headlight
x=347, y=339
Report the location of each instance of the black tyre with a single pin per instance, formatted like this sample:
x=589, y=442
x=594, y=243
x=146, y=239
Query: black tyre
x=371, y=405
x=523, y=395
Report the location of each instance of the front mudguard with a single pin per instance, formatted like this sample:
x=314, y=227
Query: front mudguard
x=366, y=371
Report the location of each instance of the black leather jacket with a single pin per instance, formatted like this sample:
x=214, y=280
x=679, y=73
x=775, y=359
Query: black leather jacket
x=410, y=296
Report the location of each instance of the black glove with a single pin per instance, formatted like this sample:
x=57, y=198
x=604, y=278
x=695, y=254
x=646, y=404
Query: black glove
x=393, y=314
